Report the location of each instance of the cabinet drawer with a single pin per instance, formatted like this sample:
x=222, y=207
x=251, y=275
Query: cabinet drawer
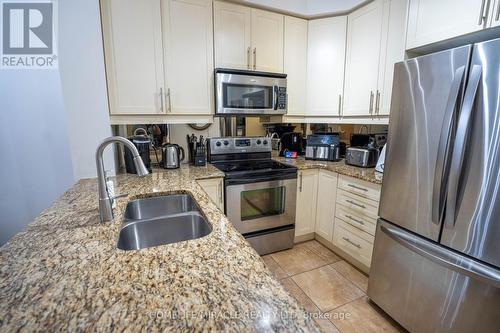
x=357, y=204
x=360, y=187
x=348, y=239
x=363, y=222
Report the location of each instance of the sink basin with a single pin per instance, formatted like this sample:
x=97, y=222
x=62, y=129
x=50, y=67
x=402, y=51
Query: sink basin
x=153, y=207
x=141, y=234
x=161, y=220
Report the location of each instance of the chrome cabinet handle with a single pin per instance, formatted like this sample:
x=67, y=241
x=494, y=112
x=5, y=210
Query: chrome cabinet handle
x=161, y=100
x=300, y=184
x=355, y=220
x=248, y=57
x=497, y=15
x=377, y=103
x=169, y=100
x=356, y=204
x=254, y=58
x=351, y=242
x=340, y=104
x=357, y=187
x=371, y=102
x=220, y=194
x=483, y=12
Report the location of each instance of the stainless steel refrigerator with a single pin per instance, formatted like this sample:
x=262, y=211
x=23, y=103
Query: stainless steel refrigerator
x=436, y=257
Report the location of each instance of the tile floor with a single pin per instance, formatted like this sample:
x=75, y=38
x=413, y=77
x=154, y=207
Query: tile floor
x=329, y=288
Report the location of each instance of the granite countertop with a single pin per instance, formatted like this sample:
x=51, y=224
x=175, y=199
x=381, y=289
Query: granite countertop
x=63, y=272
x=368, y=174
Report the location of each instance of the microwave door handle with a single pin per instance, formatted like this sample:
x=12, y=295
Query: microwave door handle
x=443, y=157
x=461, y=138
x=275, y=97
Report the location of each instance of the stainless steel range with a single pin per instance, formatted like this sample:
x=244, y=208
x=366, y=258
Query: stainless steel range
x=260, y=193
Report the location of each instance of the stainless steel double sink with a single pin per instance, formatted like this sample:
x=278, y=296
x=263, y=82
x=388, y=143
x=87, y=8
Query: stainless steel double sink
x=161, y=220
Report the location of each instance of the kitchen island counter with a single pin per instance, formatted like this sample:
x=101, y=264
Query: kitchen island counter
x=63, y=272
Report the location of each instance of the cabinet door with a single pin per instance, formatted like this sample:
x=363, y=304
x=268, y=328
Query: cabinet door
x=307, y=186
x=133, y=55
x=364, y=33
x=325, y=211
x=495, y=14
x=188, y=53
x=267, y=41
x=214, y=187
x=431, y=21
x=232, y=36
x=392, y=51
x=325, y=65
x=295, y=62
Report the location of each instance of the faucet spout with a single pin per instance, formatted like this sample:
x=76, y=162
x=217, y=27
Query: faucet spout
x=105, y=201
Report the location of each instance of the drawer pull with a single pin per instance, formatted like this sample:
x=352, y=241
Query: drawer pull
x=351, y=242
x=356, y=204
x=357, y=187
x=355, y=220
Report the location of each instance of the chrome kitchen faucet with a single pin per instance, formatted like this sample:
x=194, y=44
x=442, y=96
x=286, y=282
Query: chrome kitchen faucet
x=105, y=201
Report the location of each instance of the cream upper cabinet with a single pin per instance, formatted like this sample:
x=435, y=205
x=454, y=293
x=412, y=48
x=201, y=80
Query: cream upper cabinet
x=188, y=52
x=267, y=41
x=295, y=62
x=247, y=38
x=432, y=21
x=232, y=25
x=325, y=65
x=133, y=55
x=325, y=211
x=364, y=36
x=305, y=215
x=392, y=50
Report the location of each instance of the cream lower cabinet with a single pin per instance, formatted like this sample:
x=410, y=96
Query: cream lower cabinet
x=356, y=212
x=214, y=187
x=247, y=38
x=431, y=21
x=495, y=14
x=325, y=208
x=307, y=191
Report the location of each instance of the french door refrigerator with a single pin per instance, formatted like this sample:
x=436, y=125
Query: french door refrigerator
x=436, y=257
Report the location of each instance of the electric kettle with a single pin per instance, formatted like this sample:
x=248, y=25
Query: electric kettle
x=172, y=155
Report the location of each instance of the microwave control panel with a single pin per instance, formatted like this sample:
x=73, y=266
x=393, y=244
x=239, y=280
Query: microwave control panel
x=282, y=98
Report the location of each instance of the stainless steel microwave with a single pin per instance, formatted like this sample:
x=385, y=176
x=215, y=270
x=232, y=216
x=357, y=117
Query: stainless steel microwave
x=239, y=92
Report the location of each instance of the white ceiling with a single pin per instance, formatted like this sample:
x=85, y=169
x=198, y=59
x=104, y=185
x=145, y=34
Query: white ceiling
x=307, y=8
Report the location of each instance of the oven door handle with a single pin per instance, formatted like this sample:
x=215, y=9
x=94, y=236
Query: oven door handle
x=241, y=181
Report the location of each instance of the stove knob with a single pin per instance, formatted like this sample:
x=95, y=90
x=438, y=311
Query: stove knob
x=226, y=143
x=259, y=142
x=265, y=142
x=218, y=144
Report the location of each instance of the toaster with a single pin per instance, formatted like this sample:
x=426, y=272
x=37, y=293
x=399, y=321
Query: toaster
x=361, y=156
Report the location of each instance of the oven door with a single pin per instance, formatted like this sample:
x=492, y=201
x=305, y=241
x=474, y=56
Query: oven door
x=237, y=93
x=261, y=205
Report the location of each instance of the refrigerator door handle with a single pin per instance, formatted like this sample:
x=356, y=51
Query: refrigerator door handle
x=461, y=138
x=443, y=160
x=442, y=256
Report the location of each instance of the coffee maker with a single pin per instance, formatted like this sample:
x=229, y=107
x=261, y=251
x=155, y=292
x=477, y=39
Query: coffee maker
x=142, y=143
x=292, y=142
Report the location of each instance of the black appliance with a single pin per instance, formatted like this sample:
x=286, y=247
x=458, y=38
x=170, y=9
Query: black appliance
x=323, y=147
x=291, y=141
x=142, y=143
x=260, y=193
